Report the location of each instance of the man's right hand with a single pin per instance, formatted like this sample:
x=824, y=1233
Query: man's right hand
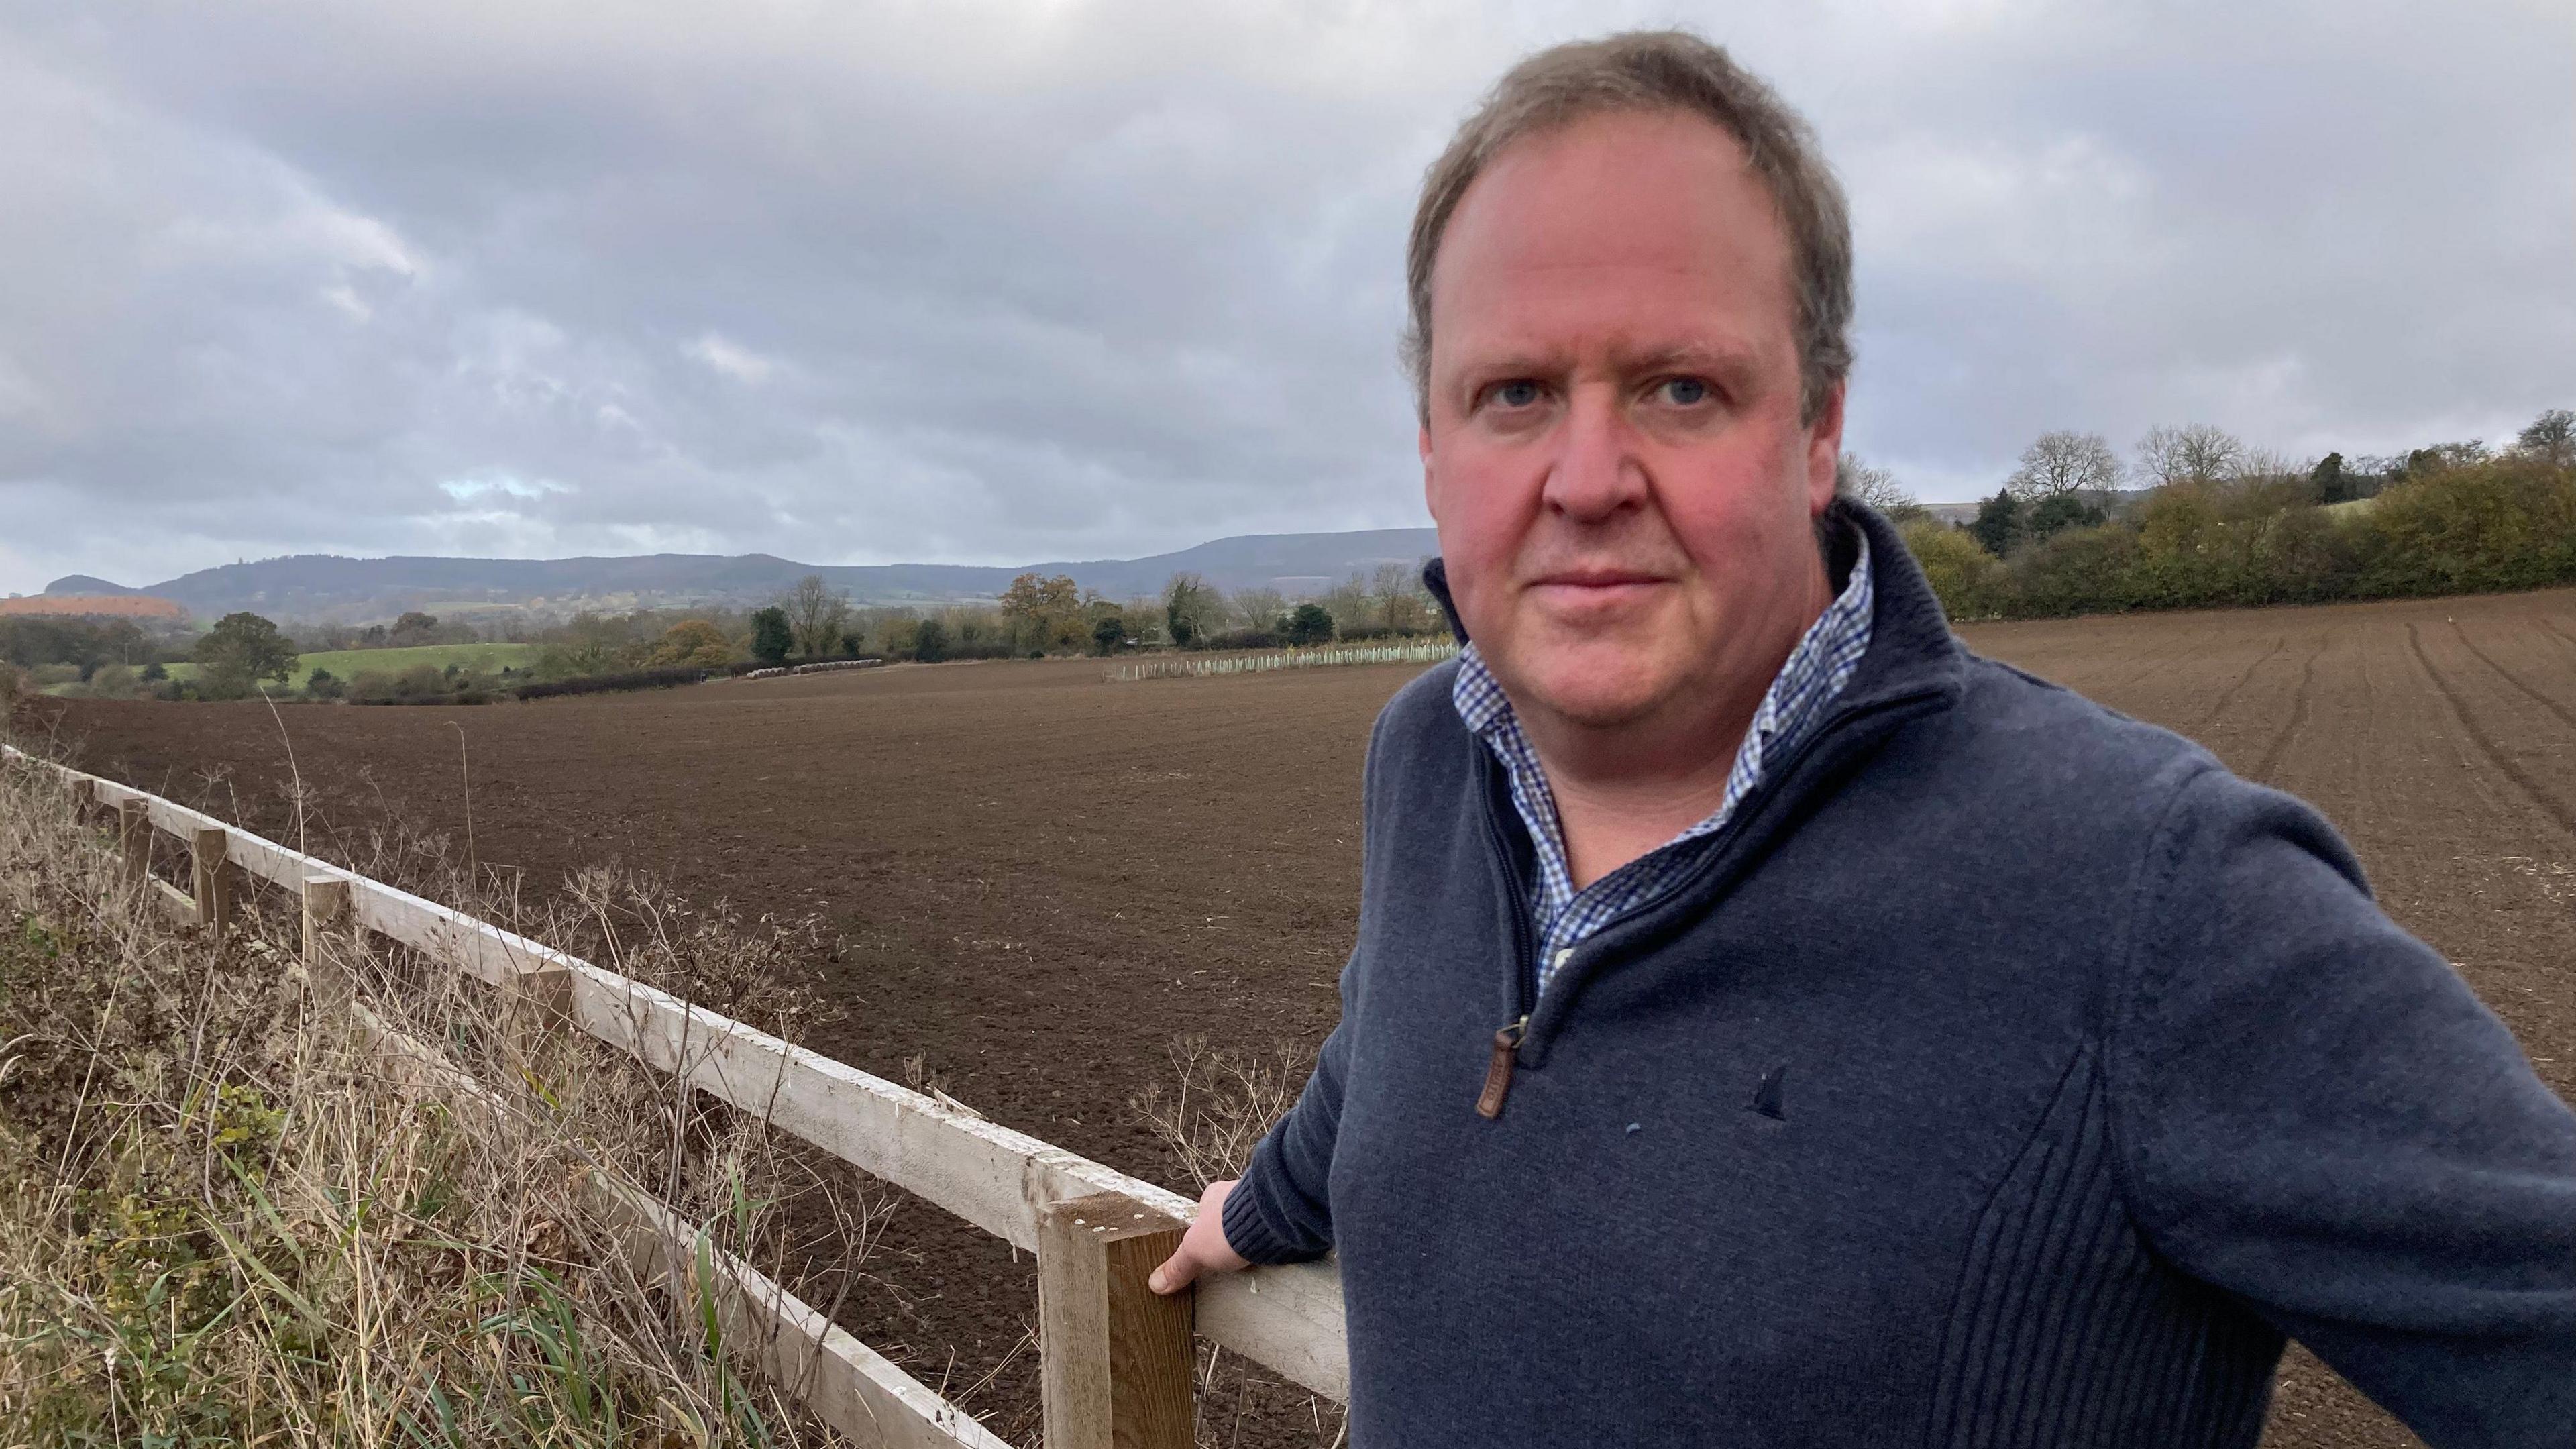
x=1203, y=1248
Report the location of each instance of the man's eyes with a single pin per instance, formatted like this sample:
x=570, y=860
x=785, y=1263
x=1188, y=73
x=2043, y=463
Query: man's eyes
x=1521, y=393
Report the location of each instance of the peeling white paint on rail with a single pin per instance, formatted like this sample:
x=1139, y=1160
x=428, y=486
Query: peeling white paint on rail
x=1289, y=1318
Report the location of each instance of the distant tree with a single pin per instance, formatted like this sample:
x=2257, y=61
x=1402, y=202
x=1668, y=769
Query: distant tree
x=2334, y=485
x=591, y=643
x=1189, y=608
x=2058, y=512
x=1401, y=603
x=1045, y=612
x=322, y=684
x=930, y=641
x=771, y=635
x=2551, y=438
x=156, y=671
x=1865, y=482
x=2193, y=453
x=815, y=613
x=240, y=651
x=1310, y=624
x=2440, y=457
x=2065, y=462
x=691, y=644
x=1109, y=634
x=1350, y=604
x=415, y=625
x=2000, y=524
x=1260, y=608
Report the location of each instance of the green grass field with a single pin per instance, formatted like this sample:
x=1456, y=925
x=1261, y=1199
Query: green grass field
x=350, y=663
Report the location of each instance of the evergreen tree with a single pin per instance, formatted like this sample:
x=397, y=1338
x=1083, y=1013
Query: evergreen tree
x=771, y=635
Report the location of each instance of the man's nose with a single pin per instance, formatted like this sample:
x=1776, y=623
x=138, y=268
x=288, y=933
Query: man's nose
x=1596, y=471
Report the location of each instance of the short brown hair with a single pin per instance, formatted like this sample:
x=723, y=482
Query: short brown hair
x=1656, y=70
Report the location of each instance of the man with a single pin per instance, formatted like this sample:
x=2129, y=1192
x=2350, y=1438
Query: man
x=1772, y=1024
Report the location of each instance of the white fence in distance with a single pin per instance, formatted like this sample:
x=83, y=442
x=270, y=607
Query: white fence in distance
x=1417, y=651
x=826, y=667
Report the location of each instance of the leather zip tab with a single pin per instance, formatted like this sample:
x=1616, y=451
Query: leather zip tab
x=1498, y=1072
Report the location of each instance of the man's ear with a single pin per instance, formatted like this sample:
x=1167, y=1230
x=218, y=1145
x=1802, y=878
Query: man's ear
x=1430, y=499
x=1824, y=450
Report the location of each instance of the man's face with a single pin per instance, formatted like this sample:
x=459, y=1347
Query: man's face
x=1624, y=492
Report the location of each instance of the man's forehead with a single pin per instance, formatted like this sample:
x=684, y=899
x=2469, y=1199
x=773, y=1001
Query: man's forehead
x=1668, y=165
x=1650, y=204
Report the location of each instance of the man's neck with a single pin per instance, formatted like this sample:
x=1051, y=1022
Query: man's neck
x=1622, y=792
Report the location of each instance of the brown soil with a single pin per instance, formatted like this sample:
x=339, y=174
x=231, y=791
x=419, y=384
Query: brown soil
x=1043, y=879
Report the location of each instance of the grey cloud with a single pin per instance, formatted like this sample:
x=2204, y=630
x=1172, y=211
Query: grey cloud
x=989, y=282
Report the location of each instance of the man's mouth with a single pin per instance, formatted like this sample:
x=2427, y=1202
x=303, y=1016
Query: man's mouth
x=1589, y=591
x=1581, y=581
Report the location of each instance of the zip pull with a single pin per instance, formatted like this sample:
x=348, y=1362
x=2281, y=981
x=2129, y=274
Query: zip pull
x=1498, y=1072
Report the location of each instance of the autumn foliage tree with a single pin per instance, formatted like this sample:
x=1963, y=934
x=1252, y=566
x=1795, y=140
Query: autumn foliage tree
x=1046, y=613
x=691, y=644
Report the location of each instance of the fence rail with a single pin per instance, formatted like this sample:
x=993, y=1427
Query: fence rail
x=1109, y=1369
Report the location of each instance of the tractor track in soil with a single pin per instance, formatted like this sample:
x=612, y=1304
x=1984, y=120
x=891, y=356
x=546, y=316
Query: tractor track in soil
x=2476, y=731
x=2265, y=772
x=2566, y=716
x=2228, y=696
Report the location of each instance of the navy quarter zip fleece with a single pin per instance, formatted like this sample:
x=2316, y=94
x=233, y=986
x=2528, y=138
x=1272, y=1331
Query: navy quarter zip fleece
x=2006, y=1073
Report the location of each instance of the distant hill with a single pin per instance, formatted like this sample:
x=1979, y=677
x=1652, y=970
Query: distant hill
x=85, y=584
x=326, y=588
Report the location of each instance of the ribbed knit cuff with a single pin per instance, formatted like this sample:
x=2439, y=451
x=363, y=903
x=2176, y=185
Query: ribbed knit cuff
x=1247, y=1227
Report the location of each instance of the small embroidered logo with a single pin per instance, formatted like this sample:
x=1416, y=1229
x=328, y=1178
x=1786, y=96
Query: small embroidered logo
x=1766, y=1097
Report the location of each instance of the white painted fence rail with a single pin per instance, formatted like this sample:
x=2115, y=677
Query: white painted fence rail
x=1288, y=1318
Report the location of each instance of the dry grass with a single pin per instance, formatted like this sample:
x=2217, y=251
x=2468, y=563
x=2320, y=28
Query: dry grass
x=1213, y=1115
x=1219, y=1106
x=227, y=1216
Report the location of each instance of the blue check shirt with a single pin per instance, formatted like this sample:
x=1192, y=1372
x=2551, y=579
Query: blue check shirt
x=1814, y=676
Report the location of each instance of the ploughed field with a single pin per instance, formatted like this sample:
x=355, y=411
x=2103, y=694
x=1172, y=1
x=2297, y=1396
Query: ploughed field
x=1042, y=879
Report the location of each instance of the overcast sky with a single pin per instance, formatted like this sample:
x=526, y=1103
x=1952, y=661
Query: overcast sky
x=999, y=282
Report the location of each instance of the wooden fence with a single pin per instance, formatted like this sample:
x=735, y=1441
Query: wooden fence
x=1115, y=1359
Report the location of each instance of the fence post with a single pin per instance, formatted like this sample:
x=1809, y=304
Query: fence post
x=1114, y=1356
x=207, y=850
x=326, y=904
x=134, y=839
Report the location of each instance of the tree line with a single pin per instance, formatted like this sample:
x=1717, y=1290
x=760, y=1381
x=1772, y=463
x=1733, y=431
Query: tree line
x=2199, y=519
x=1042, y=614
